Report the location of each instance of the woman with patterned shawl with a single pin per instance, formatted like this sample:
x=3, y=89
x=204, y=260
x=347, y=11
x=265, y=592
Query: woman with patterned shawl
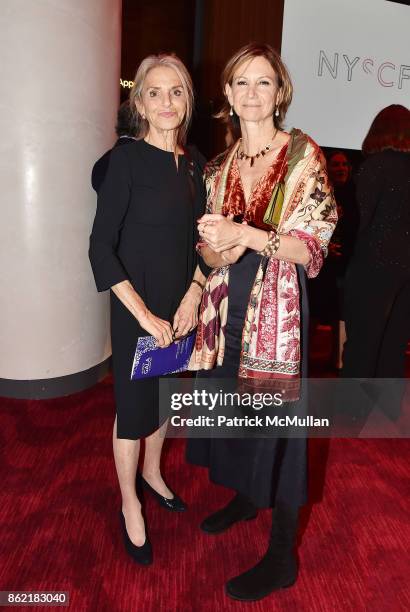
x=270, y=215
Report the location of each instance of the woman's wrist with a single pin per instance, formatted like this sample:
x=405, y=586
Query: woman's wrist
x=243, y=235
x=195, y=290
x=126, y=293
x=140, y=311
x=255, y=239
x=252, y=237
x=198, y=284
x=272, y=244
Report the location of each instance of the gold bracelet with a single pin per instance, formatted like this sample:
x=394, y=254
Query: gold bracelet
x=272, y=245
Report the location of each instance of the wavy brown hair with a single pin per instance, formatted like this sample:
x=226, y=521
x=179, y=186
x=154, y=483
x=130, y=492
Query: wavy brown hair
x=245, y=54
x=170, y=61
x=390, y=130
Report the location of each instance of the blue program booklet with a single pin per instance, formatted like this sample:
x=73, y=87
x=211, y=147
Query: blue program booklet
x=151, y=360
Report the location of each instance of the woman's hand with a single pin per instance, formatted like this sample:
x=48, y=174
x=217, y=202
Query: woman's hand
x=219, y=232
x=186, y=317
x=231, y=256
x=160, y=329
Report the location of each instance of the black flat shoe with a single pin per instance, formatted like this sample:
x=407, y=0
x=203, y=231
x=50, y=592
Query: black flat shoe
x=238, y=509
x=140, y=554
x=273, y=572
x=175, y=504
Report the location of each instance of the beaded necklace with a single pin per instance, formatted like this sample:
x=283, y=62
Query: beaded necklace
x=242, y=155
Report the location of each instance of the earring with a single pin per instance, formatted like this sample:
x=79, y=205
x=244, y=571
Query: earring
x=231, y=112
x=277, y=112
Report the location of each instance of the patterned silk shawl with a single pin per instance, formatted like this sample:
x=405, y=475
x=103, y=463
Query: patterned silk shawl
x=271, y=336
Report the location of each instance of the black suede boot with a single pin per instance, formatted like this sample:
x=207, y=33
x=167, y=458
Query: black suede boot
x=240, y=508
x=278, y=568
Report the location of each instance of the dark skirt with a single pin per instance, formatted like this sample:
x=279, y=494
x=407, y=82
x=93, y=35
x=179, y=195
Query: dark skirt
x=137, y=401
x=266, y=470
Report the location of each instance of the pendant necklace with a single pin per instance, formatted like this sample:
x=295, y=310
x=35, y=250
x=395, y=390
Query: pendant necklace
x=262, y=152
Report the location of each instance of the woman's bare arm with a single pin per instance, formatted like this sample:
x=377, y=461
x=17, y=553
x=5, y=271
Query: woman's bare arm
x=186, y=317
x=160, y=329
x=290, y=248
x=222, y=234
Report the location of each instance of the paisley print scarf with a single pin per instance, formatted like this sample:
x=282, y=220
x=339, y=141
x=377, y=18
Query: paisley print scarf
x=271, y=337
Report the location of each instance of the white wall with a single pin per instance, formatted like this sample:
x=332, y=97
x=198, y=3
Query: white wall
x=59, y=72
x=348, y=59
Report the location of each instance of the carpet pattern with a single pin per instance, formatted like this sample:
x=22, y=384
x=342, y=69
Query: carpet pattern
x=59, y=523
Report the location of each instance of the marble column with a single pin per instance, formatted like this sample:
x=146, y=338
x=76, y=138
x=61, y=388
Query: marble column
x=59, y=93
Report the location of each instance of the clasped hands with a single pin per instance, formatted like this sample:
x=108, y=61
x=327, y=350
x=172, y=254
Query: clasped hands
x=223, y=236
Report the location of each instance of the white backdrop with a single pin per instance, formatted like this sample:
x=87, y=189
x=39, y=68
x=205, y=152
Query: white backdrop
x=348, y=59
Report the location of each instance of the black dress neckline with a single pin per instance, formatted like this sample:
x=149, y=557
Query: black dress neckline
x=153, y=147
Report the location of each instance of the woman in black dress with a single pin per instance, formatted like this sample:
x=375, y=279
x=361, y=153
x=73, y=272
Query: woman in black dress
x=326, y=291
x=142, y=247
x=254, y=313
x=377, y=296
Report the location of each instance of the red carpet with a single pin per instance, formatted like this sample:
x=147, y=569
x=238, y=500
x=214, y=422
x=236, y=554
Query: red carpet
x=60, y=500
x=59, y=521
